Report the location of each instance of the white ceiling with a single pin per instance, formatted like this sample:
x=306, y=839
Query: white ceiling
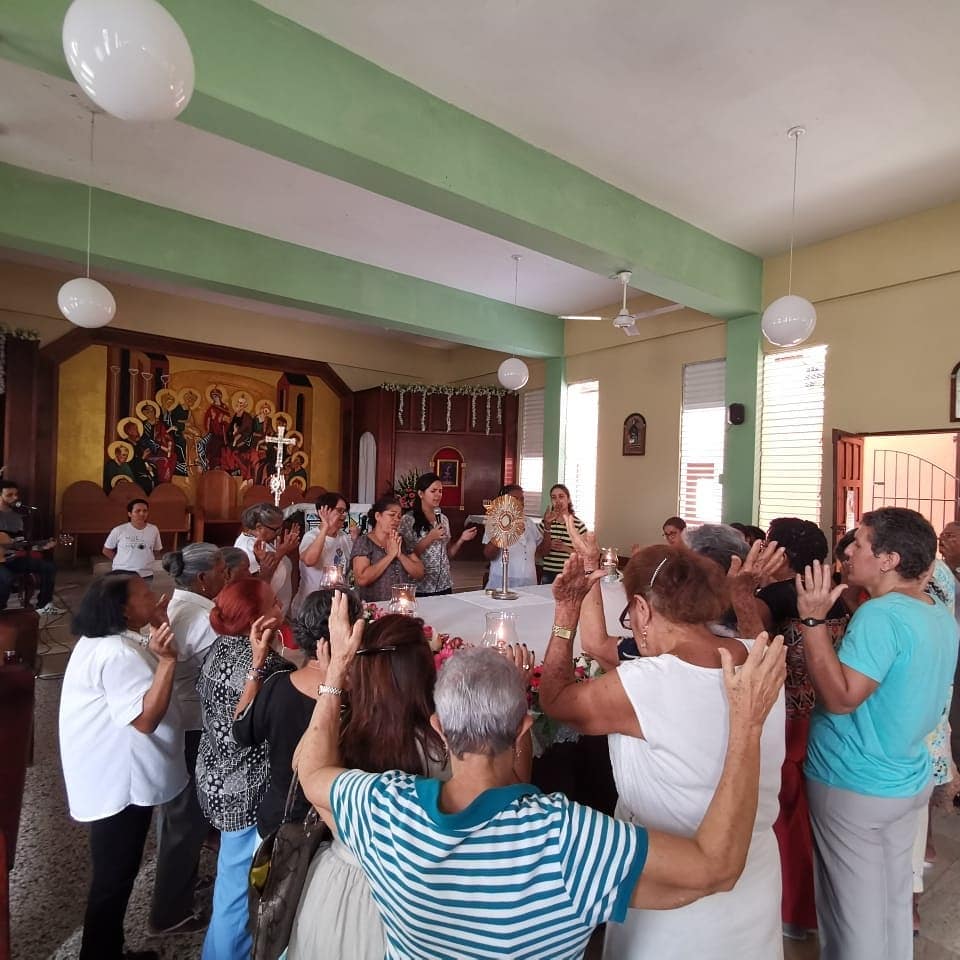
x=685, y=104
x=47, y=128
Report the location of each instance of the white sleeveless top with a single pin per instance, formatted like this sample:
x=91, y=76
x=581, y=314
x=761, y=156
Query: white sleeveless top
x=666, y=782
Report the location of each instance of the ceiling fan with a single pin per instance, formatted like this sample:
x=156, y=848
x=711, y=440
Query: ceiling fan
x=625, y=320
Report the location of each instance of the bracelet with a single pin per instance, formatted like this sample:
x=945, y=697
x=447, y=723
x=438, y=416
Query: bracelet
x=257, y=673
x=326, y=688
x=812, y=622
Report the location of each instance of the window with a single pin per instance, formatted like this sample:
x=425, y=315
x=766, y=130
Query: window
x=791, y=435
x=580, y=466
x=702, y=428
x=531, y=449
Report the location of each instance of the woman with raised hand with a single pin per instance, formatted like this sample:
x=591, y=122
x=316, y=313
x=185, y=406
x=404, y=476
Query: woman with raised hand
x=120, y=744
x=379, y=560
x=557, y=545
x=269, y=551
x=231, y=780
x=666, y=715
x=439, y=855
x=387, y=727
x=426, y=533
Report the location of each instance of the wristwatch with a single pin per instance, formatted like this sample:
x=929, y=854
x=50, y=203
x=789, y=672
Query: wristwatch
x=564, y=633
x=812, y=622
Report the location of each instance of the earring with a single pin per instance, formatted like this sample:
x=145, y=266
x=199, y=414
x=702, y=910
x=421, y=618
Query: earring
x=643, y=638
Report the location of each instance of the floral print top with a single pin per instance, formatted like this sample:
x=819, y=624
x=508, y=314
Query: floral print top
x=434, y=558
x=231, y=780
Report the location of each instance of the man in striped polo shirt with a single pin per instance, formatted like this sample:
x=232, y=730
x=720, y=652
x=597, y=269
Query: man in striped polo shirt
x=484, y=867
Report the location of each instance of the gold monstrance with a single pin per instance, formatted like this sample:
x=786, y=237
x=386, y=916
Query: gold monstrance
x=505, y=525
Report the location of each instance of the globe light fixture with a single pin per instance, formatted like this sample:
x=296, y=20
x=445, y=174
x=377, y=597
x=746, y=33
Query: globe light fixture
x=130, y=57
x=83, y=301
x=790, y=320
x=513, y=373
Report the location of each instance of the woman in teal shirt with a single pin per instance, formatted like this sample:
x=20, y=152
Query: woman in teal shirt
x=878, y=696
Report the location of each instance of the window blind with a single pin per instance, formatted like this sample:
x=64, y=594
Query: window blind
x=580, y=466
x=791, y=435
x=702, y=431
x=531, y=449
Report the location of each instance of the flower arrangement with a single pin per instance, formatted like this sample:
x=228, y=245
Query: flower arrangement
x=405, y=487
x=547, y=731
x=444, y=647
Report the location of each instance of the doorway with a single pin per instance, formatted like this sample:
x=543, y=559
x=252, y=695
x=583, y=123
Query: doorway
x=918, y=470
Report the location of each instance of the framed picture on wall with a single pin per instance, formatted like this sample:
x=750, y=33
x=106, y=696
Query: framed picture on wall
x=449, y=472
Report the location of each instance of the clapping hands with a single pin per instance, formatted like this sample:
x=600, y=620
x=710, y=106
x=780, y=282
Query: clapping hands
x=261, y=638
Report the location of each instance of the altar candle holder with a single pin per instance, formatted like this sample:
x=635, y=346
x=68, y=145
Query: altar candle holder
x=501, y=629
x=611, y=563
x=331, y=577
x=403, y=599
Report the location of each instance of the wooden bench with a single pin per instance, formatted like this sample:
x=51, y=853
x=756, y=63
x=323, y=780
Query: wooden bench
x=85, y=510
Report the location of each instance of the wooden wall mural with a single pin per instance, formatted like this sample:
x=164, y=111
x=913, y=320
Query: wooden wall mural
x=166, y=421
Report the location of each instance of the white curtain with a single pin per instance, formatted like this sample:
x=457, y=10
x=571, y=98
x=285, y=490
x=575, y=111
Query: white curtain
x=367, y=473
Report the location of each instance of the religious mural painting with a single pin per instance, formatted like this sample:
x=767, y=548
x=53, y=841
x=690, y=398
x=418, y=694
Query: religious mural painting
x=170, y=421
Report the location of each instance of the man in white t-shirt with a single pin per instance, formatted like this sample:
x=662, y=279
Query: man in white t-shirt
x=523, y=554
x=135, y=545
x=326, y=545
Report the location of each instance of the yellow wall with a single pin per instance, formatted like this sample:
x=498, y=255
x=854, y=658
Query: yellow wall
x=81, y=412
x=636, y=494
x=886, y=300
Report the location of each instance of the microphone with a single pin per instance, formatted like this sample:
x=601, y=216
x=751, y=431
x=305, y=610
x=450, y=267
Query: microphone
x=20, y=505
x=437, y=514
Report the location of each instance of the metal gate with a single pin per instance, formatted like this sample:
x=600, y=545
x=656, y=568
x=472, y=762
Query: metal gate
x=903, y=479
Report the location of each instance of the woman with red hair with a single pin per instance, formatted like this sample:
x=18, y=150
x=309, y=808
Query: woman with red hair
x=666, y=716
x=231, y=779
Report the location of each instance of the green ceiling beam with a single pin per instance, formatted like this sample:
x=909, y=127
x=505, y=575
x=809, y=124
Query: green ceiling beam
x=47, y=215
x=269, y=83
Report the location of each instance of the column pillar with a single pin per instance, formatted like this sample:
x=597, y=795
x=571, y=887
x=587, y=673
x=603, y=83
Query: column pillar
x=741, y=455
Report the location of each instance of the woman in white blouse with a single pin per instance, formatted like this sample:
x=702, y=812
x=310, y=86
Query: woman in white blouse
x=666, y=714
x=269, y=555
x=120, y=745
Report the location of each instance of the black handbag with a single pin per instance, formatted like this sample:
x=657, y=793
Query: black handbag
x=277, y=875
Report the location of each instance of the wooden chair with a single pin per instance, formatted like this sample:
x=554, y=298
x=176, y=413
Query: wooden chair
x=216, y=514
x=86, y=511
x=254, y=495
x=170, y=511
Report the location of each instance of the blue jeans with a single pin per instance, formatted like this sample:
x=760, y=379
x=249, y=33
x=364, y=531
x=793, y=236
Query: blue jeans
x=227, y=936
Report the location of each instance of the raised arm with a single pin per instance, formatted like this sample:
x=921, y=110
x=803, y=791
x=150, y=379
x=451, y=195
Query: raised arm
x=317, y=759
x=599, y=706
x=156, y=701
x=840, y=689
x=680, y=870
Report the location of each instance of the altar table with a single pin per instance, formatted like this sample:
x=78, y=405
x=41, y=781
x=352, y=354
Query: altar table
x=463, y=614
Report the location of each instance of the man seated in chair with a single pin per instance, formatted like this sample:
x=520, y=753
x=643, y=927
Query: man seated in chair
x=20, y=559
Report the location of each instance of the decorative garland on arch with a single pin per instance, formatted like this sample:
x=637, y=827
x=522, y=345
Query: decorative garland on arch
x=430, y=389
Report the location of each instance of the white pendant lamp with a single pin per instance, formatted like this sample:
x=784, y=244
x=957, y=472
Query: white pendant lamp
x=83, y=301
x=513, y=373
x=790, y=320
x=130, y=57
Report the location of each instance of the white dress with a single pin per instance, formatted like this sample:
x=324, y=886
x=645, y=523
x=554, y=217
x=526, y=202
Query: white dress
x=666, y=782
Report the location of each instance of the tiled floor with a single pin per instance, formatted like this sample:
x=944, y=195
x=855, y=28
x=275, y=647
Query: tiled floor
x=48, y=883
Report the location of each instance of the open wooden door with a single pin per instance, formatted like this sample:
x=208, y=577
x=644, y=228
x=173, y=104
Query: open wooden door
x=847, y=482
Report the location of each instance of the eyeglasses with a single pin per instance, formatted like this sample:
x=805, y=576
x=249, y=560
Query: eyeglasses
x=267, y=526
x=625, y=618
x=369, y=651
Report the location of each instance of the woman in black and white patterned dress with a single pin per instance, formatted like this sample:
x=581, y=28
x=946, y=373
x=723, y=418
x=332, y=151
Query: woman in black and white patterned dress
x=231, y=779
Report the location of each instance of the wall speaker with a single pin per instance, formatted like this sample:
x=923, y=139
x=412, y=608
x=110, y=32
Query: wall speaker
x=736, y=414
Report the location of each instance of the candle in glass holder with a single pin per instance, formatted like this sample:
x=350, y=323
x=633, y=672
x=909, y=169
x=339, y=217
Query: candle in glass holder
x=611, y=561
x=501, y=629
x=403, y=599
x=331, y=577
